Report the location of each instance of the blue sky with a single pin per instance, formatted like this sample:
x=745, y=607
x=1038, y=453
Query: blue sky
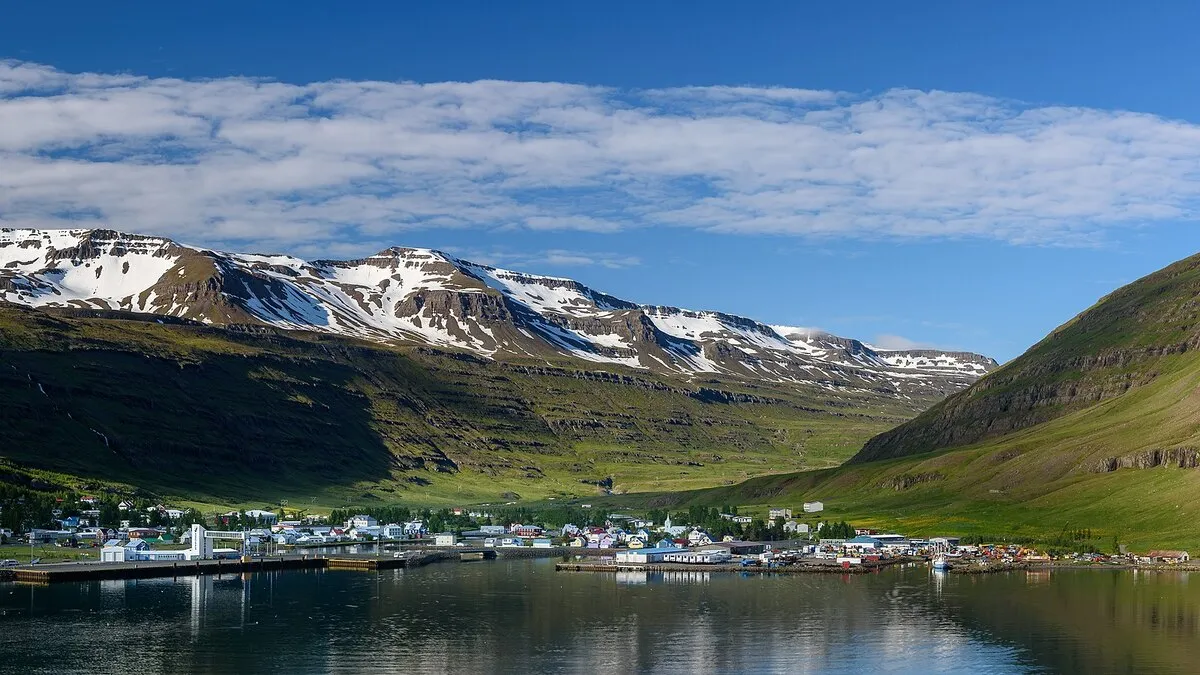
x=952, y=175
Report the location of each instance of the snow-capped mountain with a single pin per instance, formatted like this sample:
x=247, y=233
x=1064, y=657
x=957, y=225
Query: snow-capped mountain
x=407, y=295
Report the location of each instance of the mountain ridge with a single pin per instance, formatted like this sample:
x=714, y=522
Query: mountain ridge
x=404, y=295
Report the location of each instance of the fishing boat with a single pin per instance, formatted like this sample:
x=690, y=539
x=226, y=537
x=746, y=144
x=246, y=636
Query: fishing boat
x=941, y=563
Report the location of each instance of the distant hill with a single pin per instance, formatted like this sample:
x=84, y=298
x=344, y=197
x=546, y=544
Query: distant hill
x=1096, y=427
x=1132, y=338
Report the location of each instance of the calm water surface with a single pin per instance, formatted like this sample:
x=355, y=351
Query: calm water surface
x=523, y=617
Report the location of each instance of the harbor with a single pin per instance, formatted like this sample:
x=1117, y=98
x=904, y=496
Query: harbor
x=107, y=571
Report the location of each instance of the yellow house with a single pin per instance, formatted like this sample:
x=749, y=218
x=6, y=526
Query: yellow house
x=635, y=542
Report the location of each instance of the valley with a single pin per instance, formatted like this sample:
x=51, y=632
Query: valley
x=214, y=377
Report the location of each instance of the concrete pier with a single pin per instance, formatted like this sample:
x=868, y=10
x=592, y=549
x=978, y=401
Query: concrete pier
x=92, y=571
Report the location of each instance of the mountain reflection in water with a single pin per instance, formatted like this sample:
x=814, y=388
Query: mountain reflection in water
x=523, y=617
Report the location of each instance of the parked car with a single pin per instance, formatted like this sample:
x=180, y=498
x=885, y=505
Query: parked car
x=9, y=563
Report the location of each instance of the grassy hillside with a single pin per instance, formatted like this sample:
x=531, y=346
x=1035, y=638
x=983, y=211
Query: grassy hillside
x=1035, y=483
x=1125, y=341
x=228, y=415
x=1096, y=427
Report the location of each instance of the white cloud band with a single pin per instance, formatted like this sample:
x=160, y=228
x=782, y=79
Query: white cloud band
x=281, y=165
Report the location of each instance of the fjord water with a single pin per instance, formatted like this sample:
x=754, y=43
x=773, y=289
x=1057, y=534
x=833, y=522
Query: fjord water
x=523, y=617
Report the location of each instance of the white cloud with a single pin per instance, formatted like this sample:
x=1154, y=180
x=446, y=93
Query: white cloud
x=529, y=261
x=251, y=162
x=899, y=342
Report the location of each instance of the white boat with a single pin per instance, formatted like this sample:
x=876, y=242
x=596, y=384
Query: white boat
x=941, y=563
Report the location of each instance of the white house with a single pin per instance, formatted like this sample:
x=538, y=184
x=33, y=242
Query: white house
x=814, y=507
x=136, y=550
x=361, y=520
x=794, y=527
x=265, y=517
x=391, y=531
x=525, y=530
x=703, y=557
x=415, y=529
x=699, y=538
x=779, y=513
x=542, y=542
x=644, y=556
x=362, y=533
x=113, y=551
x=444, y=539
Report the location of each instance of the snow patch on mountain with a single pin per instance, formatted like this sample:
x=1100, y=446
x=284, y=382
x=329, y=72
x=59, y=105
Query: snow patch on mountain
x=413, y=295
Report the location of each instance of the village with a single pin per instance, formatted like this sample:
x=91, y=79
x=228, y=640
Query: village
x=701, y=537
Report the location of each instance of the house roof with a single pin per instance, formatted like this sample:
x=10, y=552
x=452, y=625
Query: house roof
x=1167, y=554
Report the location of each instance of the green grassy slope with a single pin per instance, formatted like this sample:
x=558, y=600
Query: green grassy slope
x=1033, y=483
x=1123, y=342
x=1096, y=427
x=225, y=416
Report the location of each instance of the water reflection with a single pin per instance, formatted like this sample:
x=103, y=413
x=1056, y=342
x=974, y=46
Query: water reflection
x=522, y=616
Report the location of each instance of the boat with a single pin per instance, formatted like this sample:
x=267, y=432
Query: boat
x=941, y=563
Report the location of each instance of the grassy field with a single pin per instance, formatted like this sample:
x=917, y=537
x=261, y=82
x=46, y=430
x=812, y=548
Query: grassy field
x=47, y=554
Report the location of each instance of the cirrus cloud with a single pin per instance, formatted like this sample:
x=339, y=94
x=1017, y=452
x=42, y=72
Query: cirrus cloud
x=250, y=161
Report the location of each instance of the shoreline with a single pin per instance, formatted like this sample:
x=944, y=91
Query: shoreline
x=104, y=571
x=579, y=566
x=100, y=571
x=1052, y=565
